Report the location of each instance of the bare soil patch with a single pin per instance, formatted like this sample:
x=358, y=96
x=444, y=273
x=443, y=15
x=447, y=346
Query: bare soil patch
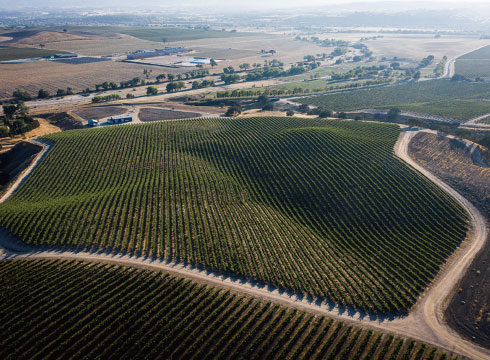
x=154, y=114
x=100, y=112
x=469, y=310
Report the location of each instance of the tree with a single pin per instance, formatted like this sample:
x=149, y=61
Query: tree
x=129, y=96
x=170, y=77
x=213, y=63
x=230, y=79
x=175, y=86
x=262, y=99
x=151, y=90
x=342, y=115
x=21, y=94
x=69, y=90
x=304, y=108
x=233, y=110
x=147, y=73
x=161, y=78
x=416, y=76
x=244, y=66
x=196, y=84
x=42, y=94
x=60, y=92
x=290, y=113
x=393, y=114
x=268, y=107
x=9, y=111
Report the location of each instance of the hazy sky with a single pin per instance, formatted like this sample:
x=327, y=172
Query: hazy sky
x=227, y=5
x=219, y=3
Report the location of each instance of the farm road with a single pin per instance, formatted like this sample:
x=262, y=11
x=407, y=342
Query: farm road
x=425, y=322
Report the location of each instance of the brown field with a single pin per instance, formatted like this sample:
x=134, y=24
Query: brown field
x=100, y=112
x=51, y=76
x=54, y=75
x=413, y=46
x=105, y=46
x=469, y=310
x=246, y=49
x=153, y=114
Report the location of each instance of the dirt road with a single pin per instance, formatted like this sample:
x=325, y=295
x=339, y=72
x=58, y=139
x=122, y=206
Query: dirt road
x=425, y=322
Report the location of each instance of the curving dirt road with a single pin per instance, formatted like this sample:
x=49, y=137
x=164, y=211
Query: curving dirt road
x=425, y=322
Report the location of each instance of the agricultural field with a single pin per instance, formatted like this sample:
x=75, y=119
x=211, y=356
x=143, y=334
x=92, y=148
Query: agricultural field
x=100, y=112
x=450, y=109
x=428, y=97
x=449, y=160
x=51, y=76
x=312, y=206
x=155, y=114
x=412, y=47
x=475, y=64
x=74, y=309
x=171, y=34
x=7, y=54
x=485, y=121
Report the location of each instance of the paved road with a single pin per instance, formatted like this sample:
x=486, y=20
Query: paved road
x=425, y=322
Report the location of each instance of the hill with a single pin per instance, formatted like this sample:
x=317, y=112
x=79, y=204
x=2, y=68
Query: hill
x=312, y=206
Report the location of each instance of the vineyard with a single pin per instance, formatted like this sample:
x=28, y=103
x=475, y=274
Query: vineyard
x=311, y=206
x=72, y=309
x=428, y=97
x=475, y=64
x=485, y=121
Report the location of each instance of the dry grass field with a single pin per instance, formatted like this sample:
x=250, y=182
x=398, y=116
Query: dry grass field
x=54, y=75
x=413, y=46
x=247, y=49
x=97, y=47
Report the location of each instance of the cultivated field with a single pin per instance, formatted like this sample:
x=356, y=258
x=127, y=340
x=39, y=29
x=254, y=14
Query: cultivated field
x=61, y=309
x=428, y=97
x=7, y=54
x=100, y=112
x=318, y=207
x=468, y=312
x=413, y=47
x=56, y=75
x=475, y=64
x=485, y=121
x=154, y=114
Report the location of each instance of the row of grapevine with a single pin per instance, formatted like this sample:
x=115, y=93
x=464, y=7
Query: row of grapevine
x=59, y=309
x=311, y=206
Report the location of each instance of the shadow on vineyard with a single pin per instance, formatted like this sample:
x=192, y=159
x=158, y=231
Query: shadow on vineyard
x=320, y=208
